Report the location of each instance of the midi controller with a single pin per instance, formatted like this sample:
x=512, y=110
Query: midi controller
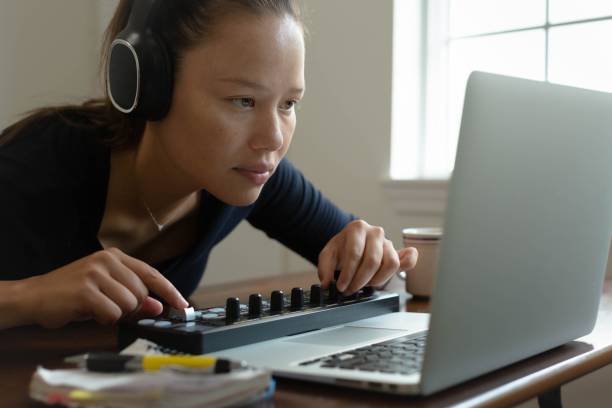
x=199, y=331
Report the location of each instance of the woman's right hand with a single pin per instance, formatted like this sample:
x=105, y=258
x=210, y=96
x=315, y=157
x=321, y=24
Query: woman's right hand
x=106, y=286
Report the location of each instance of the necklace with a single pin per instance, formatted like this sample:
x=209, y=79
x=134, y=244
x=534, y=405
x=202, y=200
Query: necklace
x=158, y=224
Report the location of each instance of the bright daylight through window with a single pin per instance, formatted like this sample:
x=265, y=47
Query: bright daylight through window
x=437, y=43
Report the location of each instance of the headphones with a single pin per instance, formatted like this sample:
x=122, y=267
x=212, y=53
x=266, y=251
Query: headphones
x=139, y=73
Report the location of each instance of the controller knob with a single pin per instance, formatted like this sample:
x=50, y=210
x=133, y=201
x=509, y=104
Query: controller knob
x=277, y=301
x=297, y=299
x=187, y=314
x=367, y=291
x=316, y=295
x=332, y=293
x=255, y=305
x=232, y=310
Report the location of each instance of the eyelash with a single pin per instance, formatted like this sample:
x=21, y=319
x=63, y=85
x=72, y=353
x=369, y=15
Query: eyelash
x=239, y=103
x=293, y=104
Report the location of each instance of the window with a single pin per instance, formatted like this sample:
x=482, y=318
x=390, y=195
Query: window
x=437, y=43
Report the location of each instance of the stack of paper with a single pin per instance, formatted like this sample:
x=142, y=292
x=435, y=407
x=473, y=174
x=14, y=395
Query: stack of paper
x=168, y=387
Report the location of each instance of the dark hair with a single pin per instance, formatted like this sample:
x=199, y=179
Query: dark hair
x=184, y=24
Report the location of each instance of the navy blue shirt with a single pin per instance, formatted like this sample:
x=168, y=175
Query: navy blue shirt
x=53, y=185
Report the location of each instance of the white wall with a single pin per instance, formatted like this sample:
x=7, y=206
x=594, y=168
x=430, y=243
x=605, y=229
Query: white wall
x=48, y=54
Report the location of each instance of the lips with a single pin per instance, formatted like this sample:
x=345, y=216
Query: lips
x=258, y=168
x=257, y=173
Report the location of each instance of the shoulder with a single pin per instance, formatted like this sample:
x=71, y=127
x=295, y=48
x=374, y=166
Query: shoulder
x=55, y=130
x=50, y=147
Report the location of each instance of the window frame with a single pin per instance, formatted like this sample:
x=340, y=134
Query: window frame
x=426, y=146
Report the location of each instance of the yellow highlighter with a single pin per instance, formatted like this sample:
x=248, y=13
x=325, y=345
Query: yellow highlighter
x=113, y=362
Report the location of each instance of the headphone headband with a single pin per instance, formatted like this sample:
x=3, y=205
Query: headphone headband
x=143, y=15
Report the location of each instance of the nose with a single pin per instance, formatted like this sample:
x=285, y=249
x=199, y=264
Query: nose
x=268, y=133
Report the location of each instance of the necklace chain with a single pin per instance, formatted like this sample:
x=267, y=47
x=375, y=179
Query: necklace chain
x=158, y=224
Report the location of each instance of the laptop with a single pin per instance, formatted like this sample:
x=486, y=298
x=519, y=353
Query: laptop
x=522, y=262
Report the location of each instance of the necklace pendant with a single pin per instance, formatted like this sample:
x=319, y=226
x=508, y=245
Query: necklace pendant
x=159, y=226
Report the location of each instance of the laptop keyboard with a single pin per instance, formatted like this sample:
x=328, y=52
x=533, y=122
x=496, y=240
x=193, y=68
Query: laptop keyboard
x=402, y=355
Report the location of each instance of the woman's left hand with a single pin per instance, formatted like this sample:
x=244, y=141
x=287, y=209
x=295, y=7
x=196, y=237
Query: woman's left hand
x=364, y=257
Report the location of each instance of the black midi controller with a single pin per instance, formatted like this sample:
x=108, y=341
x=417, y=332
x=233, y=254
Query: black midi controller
x=199, y=331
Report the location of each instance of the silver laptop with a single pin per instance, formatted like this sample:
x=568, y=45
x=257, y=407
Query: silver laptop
x=527, y=234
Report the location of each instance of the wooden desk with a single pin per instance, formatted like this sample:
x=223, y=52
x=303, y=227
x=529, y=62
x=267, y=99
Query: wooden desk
x=22, y=349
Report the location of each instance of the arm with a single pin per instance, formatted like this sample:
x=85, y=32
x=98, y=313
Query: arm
x=15, y=304
x=106, y=286
x=295, y=213
x=292, y=211
x=47, y=226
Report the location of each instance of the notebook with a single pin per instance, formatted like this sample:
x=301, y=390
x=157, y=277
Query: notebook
x=522, y=261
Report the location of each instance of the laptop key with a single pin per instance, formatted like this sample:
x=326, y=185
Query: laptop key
x=366, y=368
x=395, y=356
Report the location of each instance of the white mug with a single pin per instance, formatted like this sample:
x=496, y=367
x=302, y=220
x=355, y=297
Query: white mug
x=419, y=281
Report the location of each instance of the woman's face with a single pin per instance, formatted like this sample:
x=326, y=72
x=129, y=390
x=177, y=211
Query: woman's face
x=233, y=110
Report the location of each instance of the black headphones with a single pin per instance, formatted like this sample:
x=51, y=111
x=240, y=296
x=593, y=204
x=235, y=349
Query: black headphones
x=139, y=72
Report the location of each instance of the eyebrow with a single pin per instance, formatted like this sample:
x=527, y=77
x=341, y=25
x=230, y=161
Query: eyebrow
x=254, y=85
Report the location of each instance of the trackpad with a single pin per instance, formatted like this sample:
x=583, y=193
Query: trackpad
x=344, y=336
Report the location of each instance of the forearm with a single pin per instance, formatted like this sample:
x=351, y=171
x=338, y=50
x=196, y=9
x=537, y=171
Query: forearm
x=16, y=303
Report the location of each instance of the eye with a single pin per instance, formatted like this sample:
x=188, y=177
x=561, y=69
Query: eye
x=289, y=105
x=243, y=102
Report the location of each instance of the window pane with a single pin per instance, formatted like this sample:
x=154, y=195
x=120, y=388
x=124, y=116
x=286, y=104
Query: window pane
x=468, y=17
x=580, y=55
x=567, y=10
x=406, y=119
x=517, y=54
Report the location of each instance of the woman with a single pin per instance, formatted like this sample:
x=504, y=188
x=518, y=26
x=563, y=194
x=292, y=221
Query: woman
x=103, y=207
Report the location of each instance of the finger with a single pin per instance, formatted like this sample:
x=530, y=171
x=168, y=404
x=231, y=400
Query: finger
x=370, y=260
x=117, y=293
x=154, y=280
x=390, y=265
x=408, y=258
x=103, y=310
x=328, y=261
x=350, y=257
x=150, y=307
x=128, y=278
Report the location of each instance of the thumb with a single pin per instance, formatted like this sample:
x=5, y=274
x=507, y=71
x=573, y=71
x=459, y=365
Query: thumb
x=408, y=258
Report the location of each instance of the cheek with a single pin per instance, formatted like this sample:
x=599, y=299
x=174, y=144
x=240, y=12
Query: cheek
x=203, y=132
x=288, y=133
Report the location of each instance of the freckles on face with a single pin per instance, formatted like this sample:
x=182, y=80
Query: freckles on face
x=233, y=109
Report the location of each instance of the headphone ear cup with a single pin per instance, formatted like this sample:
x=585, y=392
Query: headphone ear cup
x=157, y=80
x=123, y=76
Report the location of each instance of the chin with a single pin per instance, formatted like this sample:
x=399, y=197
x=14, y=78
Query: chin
x=240, y=199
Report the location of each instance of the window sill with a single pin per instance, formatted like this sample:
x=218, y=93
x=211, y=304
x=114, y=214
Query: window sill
x=417, y=197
